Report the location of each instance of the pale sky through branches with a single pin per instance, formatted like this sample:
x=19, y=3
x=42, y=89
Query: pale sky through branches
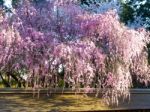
x=8, y=3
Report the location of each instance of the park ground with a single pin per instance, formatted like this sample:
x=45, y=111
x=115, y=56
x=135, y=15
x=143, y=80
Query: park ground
x=25, y=102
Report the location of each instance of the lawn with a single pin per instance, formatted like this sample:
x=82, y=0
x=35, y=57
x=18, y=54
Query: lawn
x=26, y=103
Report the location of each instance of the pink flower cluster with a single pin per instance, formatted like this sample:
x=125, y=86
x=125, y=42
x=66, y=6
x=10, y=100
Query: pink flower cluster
x=64, y=42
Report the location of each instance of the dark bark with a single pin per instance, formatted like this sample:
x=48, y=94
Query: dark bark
x=6, y=84
x=17, y=78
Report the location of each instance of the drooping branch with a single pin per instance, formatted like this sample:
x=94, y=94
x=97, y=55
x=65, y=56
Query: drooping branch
x=51, y=42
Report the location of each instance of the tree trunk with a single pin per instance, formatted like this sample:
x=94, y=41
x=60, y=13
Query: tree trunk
x=6, y=84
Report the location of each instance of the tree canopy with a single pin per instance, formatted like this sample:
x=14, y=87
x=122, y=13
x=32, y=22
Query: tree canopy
x=54, y=41
x=136, y=13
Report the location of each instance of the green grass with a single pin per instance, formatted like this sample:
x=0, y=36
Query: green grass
x=26, y=102
x=12, y=86
x=1, y=86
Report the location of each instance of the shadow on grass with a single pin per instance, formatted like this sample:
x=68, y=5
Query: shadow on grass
x=53, y=103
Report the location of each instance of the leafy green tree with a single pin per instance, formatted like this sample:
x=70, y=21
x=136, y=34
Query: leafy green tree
x=136, y=13
x=126, y=14
x=1, y=2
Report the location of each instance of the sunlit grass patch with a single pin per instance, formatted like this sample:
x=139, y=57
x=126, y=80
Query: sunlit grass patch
x=26, y=102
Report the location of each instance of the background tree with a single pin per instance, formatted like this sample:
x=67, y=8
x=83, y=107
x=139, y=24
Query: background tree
x=138, y=12
x=1, y=2
x=100, y=6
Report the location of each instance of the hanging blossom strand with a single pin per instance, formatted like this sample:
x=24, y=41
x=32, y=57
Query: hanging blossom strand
x=51, y=43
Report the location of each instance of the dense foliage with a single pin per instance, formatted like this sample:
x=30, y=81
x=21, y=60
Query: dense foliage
x=54, y=41
x=135, y=13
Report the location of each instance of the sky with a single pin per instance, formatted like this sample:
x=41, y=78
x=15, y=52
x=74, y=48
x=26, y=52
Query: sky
x=8, y=3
